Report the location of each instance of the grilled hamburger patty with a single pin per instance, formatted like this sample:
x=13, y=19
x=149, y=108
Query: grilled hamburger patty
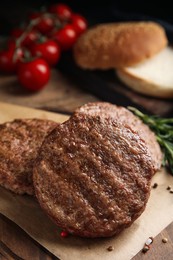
x=19, y=144
x=124, y=116
x=92, y=176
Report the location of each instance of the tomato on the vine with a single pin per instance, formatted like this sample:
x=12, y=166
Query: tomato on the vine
x=65, y=37
x=10, y=58
x=63, y=11
x=79, y=23
x=35, y=53
x=34, y=74
x=49, y=50
x=30, y=37
x=46, y=23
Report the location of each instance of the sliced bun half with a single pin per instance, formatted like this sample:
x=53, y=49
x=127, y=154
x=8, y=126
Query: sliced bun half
x=117, y=45
x=154, y=77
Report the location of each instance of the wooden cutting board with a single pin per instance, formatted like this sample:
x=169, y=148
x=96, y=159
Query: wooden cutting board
x=26, y=213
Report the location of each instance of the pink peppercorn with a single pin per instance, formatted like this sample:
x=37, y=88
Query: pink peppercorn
x=64, y=234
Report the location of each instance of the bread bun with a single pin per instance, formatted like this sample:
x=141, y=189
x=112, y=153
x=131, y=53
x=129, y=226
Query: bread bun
x=154, y=77
x=117, y=45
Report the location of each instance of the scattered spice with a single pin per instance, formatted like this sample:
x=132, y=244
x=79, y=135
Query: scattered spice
x=169, y=187
x=110, y=248
x=154, y=185
x=164, y=240
x=148, y=242
x=64, y=234
x=145, y=249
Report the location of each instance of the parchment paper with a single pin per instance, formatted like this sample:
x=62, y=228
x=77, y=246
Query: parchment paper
x=26, y=212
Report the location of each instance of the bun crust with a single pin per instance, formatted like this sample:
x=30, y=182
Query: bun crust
x=117, y=45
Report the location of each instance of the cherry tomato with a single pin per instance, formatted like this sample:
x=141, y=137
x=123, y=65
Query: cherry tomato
x=45, y=25
x=7, y=62
x=34, y=75
x=65, y=37
x=31, y=36
x=79, y=23
x=48, y=50
x=63, y=11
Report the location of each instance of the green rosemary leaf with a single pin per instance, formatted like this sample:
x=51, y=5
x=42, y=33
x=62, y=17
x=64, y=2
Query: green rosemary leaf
x=163, y=129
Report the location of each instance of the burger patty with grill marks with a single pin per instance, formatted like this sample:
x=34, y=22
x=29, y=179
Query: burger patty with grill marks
x=93, y=175
x=20, y=141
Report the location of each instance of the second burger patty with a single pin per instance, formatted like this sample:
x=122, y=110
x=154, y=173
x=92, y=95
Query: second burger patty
x=92, y=176
x=20, y=141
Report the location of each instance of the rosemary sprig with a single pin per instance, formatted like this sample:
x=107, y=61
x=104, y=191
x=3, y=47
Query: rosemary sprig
x=163, y=129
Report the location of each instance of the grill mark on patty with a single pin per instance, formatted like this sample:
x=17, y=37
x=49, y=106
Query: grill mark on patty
x=111, y=176
x=93, y=178
x=62, y=196
x=108, y=187
x=132, y=151
x=85, y=186
x=108, y=152
x=104, y=109
x=109, y=149
x=115, y=194
x=82, y=202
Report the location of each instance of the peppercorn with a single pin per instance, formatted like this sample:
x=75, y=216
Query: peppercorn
x=154, y=185
x=164, y=240
x=110, y=248
x=64, y=234
x=145, y=249
x=149, y=241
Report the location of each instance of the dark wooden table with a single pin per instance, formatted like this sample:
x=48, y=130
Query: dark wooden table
x=60, y=95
